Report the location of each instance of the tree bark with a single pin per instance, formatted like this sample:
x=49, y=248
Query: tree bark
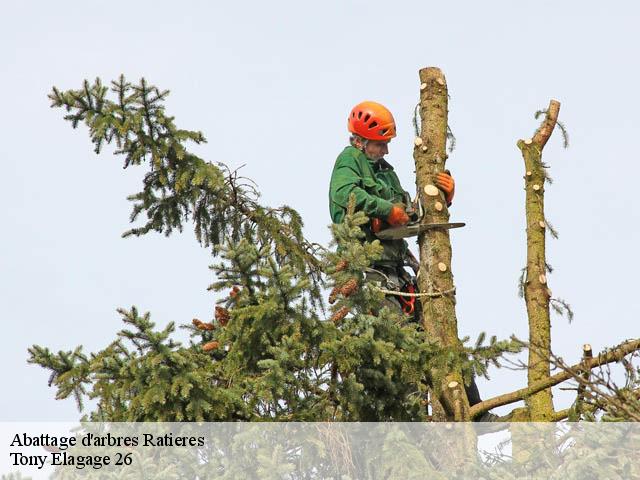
x=435, y=276
x=536, y=289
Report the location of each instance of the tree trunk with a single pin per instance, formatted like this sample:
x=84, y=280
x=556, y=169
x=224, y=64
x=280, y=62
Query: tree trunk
x=536, y=288
x=435, y=277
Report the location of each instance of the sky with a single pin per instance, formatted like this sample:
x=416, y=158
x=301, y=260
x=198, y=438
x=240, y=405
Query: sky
x=270, y=85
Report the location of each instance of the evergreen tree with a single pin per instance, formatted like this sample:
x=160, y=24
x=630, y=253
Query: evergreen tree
x=269, y=352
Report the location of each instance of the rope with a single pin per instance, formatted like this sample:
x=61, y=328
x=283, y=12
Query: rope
x=425, y=294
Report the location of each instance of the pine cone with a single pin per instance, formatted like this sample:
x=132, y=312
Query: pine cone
x=234, y=291
x=207, y=347
x=349, y=287
x=222, y=315
x=196, y=323
x=340, y=314
x=333, y=295
x=205, y=326
x=341, y=265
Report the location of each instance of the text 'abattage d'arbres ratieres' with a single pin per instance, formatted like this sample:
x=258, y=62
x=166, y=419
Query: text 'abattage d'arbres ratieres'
x=57, y=446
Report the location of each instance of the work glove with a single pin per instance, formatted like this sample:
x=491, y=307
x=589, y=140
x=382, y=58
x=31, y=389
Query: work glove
x=397, y=216
x=445, y=182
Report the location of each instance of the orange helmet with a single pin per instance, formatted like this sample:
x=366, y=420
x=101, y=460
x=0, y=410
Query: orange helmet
x=372, y=121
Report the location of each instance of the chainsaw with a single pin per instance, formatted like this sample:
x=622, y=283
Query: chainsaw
x=415, y=211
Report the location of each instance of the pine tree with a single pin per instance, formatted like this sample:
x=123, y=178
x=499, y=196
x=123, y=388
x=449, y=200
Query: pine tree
x=272, y=349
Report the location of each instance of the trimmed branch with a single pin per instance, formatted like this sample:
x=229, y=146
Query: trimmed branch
x=544, y=132
x=535, y=285
x=561, y=415
x=587, y=354
x=610, y=356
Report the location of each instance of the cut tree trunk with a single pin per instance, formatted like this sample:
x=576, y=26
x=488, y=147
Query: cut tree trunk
x=435, y=276
x=536, y=287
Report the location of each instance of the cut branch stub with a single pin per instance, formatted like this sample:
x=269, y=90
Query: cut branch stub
x=549, y=123
x=587, y=354
x=456, y=396
x=431, y=190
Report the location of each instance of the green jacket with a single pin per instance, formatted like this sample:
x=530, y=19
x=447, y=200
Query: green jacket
x=376, y=187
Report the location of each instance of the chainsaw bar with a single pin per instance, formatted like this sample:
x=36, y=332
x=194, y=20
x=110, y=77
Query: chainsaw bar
x=405, y=231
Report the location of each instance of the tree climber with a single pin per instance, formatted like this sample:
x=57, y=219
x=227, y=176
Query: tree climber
x=362, y=170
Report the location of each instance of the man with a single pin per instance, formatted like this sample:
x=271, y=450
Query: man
x=362, y=170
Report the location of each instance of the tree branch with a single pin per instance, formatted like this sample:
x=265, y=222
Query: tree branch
x=610, y=356
x=544, y=132
x=561, y=415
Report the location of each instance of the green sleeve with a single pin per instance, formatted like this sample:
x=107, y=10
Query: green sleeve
x=346, y=180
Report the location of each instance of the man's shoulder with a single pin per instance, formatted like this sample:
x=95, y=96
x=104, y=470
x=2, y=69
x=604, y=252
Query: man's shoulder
x=349, y=156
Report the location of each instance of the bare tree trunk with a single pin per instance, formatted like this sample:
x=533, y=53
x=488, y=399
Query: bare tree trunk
x=435, y=277
x=536, y=289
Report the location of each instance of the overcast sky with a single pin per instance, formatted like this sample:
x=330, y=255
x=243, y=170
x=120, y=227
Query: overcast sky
x=270, y=84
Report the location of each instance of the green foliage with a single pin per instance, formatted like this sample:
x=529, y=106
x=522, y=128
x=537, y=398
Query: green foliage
x=275, y=358
x=180, y=186
x=482, y=355
x=562, y=308
x=142, y=376
x=381, y=360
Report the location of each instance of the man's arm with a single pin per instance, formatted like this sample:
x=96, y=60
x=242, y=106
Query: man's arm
x=345, y=181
